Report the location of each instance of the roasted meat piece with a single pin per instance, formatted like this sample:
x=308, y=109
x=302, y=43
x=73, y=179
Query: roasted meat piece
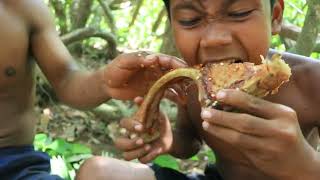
x=258, y=80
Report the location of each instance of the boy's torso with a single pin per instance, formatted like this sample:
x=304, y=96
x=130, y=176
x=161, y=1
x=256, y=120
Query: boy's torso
x=297, y=94
x=16, y=78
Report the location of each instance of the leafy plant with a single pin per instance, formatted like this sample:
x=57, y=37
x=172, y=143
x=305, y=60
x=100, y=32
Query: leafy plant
x=167, y=161
x=65, y=157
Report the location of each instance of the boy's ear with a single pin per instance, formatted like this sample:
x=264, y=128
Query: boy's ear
x=277, y=13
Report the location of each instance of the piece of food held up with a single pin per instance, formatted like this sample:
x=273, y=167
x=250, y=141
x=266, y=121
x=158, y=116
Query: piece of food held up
x=257, y=80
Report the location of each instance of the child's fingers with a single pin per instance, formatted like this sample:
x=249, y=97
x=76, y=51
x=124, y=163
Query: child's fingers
x=166, y=62
x=154, y=152
x=127, y=144
x=131, y=125
x=136, y=153
x=254, y=105
x=134, y=61
x=170, y=62
x=126, y=65
x=150, y=59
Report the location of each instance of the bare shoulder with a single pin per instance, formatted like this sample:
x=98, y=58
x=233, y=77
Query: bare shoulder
x=35, y=12
x=306, y=75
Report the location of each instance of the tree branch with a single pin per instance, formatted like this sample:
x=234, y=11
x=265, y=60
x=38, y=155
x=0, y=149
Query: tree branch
x=84, y=33
x=159, y=19
x=136, y=12
x=108, y=14
x=292, y=32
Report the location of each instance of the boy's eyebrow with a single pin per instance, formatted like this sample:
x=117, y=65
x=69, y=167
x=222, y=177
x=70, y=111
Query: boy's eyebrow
x=189, y=5
x=229, y=2
x=186, y=5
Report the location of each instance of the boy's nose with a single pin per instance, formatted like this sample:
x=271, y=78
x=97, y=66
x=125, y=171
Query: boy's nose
x=215, y=35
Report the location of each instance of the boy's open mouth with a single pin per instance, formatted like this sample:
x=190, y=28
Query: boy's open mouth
x=257, y=80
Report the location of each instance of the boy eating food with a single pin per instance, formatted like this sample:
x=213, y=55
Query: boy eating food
x=267, y=140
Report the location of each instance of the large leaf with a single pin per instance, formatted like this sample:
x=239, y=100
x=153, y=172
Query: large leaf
x=167, y=161
x=59, y=146
x=80, y=149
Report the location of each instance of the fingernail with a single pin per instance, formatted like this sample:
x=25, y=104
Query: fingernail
x=205, y=125
x=139, y=142
x=221, y=95
x=159, y=150
x=138, y=127
x=206, y=114
x=147, y=147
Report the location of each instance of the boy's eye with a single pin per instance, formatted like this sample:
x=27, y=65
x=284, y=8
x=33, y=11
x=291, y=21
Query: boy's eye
x=189, y=22
x=240, y=14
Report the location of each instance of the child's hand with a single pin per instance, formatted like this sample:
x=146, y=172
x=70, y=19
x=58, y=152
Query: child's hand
x=136, y=149
x=131, y=75
x=268, y=135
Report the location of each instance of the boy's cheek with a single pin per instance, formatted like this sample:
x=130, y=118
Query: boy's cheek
x=186, y=44
x=256, y=41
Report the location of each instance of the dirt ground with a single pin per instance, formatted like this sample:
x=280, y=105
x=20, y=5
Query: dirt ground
x=86, y=128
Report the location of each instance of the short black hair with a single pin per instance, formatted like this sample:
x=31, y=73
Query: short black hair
x=167, y=4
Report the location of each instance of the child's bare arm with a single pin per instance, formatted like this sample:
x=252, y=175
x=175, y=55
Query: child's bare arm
x=73, y=86
x=125, y=77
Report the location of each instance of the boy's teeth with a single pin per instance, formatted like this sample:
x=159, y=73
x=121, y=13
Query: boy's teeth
x=227, y=61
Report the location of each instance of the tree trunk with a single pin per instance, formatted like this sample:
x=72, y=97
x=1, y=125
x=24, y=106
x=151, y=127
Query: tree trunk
x=307, y=39
x=79, y=14
x=108, y=16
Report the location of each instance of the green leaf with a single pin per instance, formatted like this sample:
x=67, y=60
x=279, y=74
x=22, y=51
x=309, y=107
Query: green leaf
x=41, y=141
x=80, y=149
x=60, y=146
x=40, y=138
x=211, y=156
x=194, y=158
x=77, y=158
x=167, y=161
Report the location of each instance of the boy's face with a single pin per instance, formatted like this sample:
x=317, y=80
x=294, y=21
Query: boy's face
x=218, y=30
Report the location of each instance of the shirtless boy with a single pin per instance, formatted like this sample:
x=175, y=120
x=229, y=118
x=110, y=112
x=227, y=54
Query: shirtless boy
x=27, y=30
x=269, y=140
